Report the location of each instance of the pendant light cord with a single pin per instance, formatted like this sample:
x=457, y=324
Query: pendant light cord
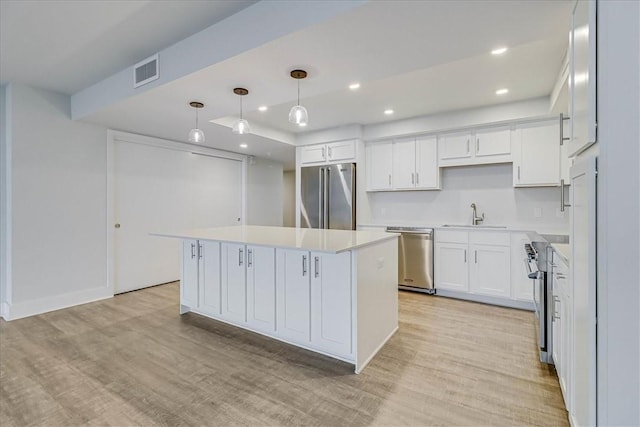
x=197, y=118
x=298, y=91
x=240, y=107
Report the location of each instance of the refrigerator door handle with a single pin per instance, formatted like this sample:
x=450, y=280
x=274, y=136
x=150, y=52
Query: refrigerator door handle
x=325, y=216
x=320, y=198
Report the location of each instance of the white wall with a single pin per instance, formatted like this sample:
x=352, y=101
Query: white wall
x=289, y=199
x=4, y=273
x=264, y=192
x=618, y=213
x=490, y=187
x=58, y=208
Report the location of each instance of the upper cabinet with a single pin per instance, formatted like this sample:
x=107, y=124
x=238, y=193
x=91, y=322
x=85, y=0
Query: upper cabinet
x=415, y=164
x=582, y=80
x=472, y=148
x=536, y=155
x=328, y=153
x=379, y=167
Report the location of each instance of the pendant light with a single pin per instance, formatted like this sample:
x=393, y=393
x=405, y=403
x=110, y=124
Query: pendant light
x=241, y=127
x=298, y=113
x=196, y=136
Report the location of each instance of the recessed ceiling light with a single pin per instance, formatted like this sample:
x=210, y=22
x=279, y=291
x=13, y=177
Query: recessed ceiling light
x=388, y=112
x=243, y=145
x=302, y=124
x=263, y=108
x=499, y=51
x=354, y=86
x=502, y=91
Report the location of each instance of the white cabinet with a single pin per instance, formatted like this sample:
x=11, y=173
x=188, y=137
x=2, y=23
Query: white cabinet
x=293, y=295
x=189, y=279
x=415, y=164
x=209, y=277
x=331, y=320
x=261, y=288
x=234, y=283
x=536, y=156
x=451, y=266
x=476, y=263
x=326, y=153
x=562, y=329
x=489, y=270
x=379, y=167
x=472, y=148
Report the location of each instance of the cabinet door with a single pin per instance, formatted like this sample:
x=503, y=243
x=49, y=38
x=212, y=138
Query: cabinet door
x=313, y=154
x=490, y=272
x=454, y=146
x=451, y=267
x=521, y=285
x=331, y=302
x=556, y=331
x=404, y=164
x=234, y=292
x=537, y=157
x=379, y=166
x=261, y=288
x=343, y=150
x=495, y=143
x=189, y=280
x=209, y=254
x=427, y=170
x=293, y=295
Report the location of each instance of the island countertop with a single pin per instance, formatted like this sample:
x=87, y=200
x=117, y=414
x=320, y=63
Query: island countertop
x=311, y=239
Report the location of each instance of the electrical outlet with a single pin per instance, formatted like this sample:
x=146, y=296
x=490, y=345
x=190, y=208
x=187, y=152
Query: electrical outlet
x=537, y=212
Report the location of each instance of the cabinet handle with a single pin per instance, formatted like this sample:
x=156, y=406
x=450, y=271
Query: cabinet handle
x=329, y=150
x=389, y=179
x=304, y=265
x=323, y=157
x=465, y=256
x=475, y=255
x=240, y=251
x=200, y=250
x=193, y=250
x=467, y=145
x=477, y=145
x=417, y=178
x=249, y=257
x=316, y=266
x=562, y=137
x=412, y=179
x=518, y=173
x=561, y=276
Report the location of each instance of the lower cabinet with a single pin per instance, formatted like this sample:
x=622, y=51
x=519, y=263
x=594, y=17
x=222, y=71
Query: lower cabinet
x=299, y=296
x=477, y=263
x=562, y=329
x=293, y=295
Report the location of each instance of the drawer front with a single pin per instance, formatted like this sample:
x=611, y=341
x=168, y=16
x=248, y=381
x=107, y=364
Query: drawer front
x=499, y=238
x=452, y=236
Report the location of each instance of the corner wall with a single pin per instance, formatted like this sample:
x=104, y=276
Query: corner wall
x=264, y=192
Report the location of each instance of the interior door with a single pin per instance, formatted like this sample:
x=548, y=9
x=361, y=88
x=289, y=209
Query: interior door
x=159, y=189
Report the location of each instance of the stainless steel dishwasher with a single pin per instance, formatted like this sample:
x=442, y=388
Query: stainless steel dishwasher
x=415, y=258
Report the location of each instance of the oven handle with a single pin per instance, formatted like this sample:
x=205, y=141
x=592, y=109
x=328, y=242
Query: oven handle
x=531, y=274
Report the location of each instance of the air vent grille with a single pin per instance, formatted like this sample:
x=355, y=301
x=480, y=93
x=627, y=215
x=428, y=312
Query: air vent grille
x=145, y=71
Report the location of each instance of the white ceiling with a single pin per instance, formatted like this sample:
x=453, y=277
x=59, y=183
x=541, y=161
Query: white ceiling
x=417, y=57
x=65, y=46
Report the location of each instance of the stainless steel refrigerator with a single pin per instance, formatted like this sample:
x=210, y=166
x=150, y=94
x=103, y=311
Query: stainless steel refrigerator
x=328, y=197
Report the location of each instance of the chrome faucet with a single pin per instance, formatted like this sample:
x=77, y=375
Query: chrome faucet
x=476, y=219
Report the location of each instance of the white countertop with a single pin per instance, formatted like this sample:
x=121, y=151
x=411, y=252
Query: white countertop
x=562, y=249
x=456, y=227
x=333, y=241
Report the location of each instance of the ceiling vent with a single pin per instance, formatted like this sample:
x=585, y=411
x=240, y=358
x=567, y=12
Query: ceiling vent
x=145, y=71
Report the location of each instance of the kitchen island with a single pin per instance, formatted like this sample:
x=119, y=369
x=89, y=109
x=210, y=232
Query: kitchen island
x=330, y=291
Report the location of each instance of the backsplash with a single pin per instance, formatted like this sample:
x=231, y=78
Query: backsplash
x=490, y=187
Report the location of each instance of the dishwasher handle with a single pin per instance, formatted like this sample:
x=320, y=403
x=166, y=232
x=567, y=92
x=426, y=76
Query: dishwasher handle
x=402, y=230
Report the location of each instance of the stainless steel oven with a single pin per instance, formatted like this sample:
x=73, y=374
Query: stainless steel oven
x=539, y=273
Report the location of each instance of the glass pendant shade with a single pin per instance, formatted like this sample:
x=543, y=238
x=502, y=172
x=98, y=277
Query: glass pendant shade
x=241, y=127
x=196, y=136
x=298, y=115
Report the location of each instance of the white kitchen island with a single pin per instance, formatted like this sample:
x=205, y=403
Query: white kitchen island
x=330, y=291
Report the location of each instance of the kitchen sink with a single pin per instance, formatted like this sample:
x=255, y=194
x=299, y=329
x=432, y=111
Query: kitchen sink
x=474, y=226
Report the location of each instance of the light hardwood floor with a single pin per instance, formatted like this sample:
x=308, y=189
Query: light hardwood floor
x=133, y=360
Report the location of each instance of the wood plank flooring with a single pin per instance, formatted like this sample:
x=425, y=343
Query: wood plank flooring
x=133, y=360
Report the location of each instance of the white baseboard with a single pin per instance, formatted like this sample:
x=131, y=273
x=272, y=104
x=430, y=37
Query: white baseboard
x=485, y=299
x=360, y=367
x=57, y=302
x=4, y=309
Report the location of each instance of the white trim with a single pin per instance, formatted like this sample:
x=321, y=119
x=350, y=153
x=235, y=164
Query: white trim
x=57, y=302
x=119, y=136
x=486, y=299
